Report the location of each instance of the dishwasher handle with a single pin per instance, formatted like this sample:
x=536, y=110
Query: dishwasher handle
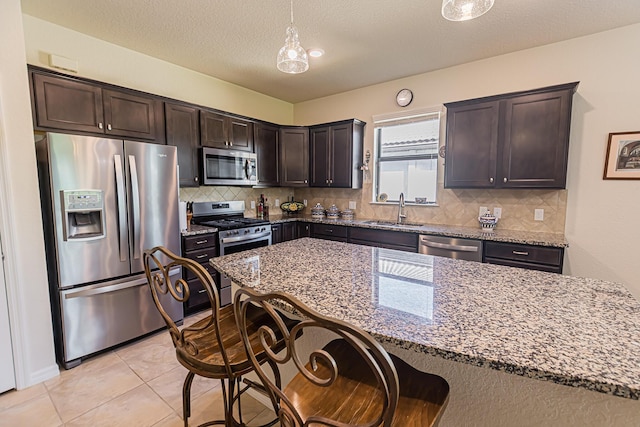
x=459, y=248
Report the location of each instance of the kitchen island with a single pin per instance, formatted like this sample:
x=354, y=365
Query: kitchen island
x=518, y=347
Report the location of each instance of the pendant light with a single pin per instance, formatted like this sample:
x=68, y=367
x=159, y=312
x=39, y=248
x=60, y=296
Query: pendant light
x=463, y=10
x=292, y=58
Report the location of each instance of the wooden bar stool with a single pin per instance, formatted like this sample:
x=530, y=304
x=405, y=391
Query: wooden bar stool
x=352, y=381
x=211, y=347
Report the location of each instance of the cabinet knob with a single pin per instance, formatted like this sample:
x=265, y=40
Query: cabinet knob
x=109, y=126
x=504, y=180
x=100, y=126
x=490, y=179
x=330, y=181
x=326, y=181
x=305, y=181
x=195, y=179
x=231, y=143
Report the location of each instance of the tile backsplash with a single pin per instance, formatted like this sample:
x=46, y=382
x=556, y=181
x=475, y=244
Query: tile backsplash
x=455, y=206
x=248, y=194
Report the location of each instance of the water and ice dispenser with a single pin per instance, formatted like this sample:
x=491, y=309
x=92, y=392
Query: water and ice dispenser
x=83, y=214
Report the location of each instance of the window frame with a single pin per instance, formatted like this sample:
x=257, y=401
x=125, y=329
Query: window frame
x=394, y=119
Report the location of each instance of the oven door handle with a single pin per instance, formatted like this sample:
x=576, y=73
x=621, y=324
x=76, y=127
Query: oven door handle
x=244, y=239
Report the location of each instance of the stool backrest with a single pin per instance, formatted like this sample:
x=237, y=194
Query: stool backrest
x=158, y=262
x=354, y=349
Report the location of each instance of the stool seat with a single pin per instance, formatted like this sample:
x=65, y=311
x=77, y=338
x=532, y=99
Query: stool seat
x=351, y=381
x=422, y=396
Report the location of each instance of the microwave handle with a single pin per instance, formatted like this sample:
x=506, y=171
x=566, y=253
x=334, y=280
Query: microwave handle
x=247, y=168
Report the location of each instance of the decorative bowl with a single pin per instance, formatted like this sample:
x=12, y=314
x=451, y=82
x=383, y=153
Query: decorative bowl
x=292, y=207
x=488, y=222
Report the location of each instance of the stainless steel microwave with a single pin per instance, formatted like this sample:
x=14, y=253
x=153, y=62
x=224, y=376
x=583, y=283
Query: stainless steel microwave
x=229, y=167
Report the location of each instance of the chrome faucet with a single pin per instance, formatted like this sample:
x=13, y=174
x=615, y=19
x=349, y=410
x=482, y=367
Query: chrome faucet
x=401, y=214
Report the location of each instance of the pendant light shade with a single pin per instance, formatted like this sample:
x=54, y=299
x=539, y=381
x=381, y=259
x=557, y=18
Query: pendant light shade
x=463, y=10
x=292, y=57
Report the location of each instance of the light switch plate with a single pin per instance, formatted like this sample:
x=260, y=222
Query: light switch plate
x=352, y=204
x=304, y=202
x=482, y=210
x=538, y=215
x=497, y=212
x=278, y=202
x=253, y=204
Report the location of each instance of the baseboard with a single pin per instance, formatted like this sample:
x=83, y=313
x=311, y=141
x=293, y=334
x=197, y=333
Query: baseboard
x=42, y=375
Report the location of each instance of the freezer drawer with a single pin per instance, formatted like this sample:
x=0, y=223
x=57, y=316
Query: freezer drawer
x=100, y=316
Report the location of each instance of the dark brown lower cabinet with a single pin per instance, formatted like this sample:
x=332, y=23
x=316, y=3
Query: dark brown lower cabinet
x=201, y=248
x=384, y=239
x=329, y=232
x=532, y=257
x=283, y=232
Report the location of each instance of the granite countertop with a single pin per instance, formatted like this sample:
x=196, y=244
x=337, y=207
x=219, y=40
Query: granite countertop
x=199, y=229
x=508, y=236
x=569, y=330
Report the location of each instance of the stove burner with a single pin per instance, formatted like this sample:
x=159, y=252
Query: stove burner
x=230, y=223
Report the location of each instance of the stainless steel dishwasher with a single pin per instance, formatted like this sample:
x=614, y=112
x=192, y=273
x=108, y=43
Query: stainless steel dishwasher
x=451, y=247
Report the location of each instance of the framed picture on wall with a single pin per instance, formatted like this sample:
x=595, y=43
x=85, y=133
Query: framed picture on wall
x=623, y=156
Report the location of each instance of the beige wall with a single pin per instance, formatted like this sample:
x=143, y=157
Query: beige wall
x=20, y=219
x=113, y=64
x=600, y=215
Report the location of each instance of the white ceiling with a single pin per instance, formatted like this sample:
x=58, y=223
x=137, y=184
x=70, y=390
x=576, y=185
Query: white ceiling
x=366, y=41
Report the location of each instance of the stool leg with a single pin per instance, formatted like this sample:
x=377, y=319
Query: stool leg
x=186, y=398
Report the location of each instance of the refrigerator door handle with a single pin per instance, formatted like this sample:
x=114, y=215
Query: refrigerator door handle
x=122, y=213
x=135, y=199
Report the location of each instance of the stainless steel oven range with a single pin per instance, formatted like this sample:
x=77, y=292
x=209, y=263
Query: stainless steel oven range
x=236, y=233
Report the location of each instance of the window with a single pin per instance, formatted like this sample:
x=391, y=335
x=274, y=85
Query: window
x=406, y=150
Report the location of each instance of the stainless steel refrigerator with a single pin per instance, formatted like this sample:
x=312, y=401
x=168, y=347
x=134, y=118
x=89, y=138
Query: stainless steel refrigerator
x=104, y=202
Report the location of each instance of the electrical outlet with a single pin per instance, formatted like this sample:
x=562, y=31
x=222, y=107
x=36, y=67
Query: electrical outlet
x=253, y=204
x=304, y=202
x=482, y=210
x=497, y=212
x=352, y=204
x=538, y=215
x=278, y=202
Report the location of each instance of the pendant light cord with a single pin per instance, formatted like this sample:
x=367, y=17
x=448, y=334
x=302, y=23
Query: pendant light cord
x=291, y=12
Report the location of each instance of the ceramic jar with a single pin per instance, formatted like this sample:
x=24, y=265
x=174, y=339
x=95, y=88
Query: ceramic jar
x=317, y=211
x=333, y=212
x=488, y=222
x=347, y=214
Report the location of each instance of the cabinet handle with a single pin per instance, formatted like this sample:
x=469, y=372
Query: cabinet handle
x=504, y=180
x=202, y=256
x=202, y=291
x=520, y=252
x=109, y=126
x=231, y=143
x=491, y=180
x=201, y=242
x=100, y=125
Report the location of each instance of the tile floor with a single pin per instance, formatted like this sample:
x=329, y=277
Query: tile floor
x=139, y=384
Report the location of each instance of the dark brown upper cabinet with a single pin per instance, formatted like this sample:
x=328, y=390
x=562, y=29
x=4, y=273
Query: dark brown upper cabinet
x=516, y=140
x=267, y=144
x=294, y=156
x=224, y=131
x=183, y=131
x=71, y=104
x=336, y=154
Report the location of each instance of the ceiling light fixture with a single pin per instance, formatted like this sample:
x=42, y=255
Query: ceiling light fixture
x=316, y=52
x=292, y=58
x=463, y=10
